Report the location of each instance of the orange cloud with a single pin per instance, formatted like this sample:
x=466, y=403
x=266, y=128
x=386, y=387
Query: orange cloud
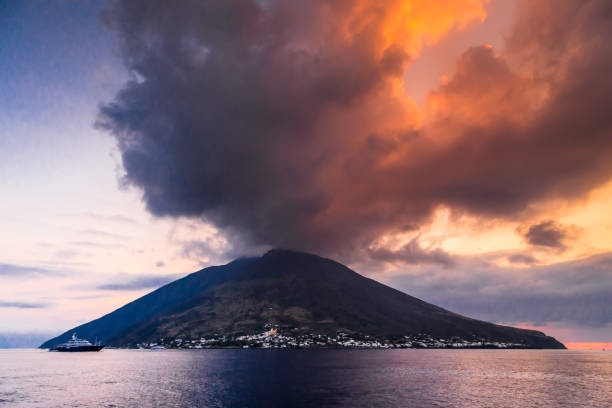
x=483, y=90
x=410, y=25
x=293, y=129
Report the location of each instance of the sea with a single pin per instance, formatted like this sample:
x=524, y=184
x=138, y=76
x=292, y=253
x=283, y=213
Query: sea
x=306, y=378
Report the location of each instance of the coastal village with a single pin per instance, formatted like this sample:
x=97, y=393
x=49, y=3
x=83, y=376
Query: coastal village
x=271, y=337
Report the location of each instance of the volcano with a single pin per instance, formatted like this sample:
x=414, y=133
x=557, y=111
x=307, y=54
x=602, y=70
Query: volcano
x=295, y=292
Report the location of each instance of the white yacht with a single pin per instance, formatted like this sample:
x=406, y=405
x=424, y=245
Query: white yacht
x=75, y=344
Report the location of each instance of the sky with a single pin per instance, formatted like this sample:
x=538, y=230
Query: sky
x=455, y=150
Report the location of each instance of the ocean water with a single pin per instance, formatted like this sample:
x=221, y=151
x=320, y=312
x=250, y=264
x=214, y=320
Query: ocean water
x=306, y=378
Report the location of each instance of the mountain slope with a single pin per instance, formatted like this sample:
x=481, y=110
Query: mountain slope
x=296, y=291
x=158, y=301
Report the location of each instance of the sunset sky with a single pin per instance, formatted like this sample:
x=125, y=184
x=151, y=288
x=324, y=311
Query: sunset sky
x=460, y=151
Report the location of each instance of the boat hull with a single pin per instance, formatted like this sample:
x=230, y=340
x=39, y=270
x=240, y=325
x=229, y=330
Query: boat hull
x=79, y=348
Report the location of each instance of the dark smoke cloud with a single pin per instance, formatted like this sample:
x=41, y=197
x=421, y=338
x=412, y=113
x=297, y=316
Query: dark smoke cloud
x=549, y=234
x=266, y=120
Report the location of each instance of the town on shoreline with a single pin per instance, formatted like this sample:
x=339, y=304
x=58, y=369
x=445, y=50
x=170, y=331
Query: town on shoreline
x=271, y=337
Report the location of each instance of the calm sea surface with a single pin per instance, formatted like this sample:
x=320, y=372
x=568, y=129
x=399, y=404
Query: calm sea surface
x=351, y=378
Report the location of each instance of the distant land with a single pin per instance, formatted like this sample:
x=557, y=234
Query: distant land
x=292, y=299
x=22, y=340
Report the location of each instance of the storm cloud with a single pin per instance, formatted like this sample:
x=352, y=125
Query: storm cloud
x=549, y=234
x=283, y=123
x=413, y=253
x=522, y=259
x=575, y=292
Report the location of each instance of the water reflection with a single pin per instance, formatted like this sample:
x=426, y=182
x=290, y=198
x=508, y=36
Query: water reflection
x=356, y=378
